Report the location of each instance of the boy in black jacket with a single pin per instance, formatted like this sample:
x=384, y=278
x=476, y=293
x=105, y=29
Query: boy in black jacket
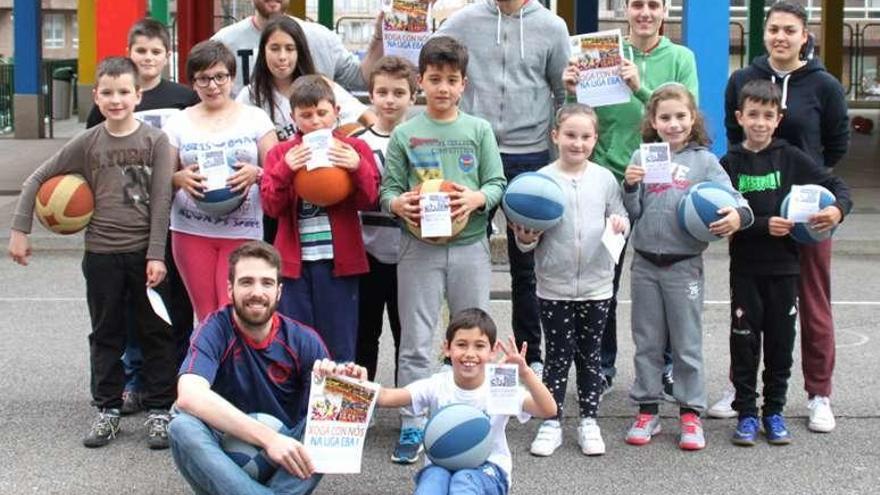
x=764, y=265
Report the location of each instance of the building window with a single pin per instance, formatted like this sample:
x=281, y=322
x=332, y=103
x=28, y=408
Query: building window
x=53, y=30
x=74, y=28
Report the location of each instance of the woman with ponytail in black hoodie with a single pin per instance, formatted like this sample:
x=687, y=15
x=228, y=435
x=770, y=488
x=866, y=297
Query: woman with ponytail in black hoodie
x=814, y=120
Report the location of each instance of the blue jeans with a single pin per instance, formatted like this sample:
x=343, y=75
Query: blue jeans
x=487, y=479
x=526, y=321
x=195, y=447
x=325, y=302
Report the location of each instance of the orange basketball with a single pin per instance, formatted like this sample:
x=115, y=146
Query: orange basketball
x=350, y=129
x=324, y=186
x=437, y=185
x=64, y=204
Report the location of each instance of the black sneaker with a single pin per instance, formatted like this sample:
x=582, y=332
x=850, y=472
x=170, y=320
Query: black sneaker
x=131, y=402
x=607, y=385
x=104, y=428
x=667, y=386
x=157, y=429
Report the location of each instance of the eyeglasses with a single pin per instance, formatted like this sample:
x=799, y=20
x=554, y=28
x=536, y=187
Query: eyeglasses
x=205, y=81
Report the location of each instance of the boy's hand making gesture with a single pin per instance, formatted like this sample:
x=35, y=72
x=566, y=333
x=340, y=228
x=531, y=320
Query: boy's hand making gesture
x=511, y=356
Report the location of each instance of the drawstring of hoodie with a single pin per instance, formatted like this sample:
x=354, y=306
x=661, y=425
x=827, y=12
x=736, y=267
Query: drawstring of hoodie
x=784, y=89
x=522, y=46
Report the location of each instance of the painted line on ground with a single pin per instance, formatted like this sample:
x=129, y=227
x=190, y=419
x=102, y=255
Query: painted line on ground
x=622, y=301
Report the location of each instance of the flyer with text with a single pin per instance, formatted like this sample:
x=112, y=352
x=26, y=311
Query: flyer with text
x=337, y=421
x=599, y=58
x=406, y=28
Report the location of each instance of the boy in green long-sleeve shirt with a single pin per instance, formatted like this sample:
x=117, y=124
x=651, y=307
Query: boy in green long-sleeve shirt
x=443, y=143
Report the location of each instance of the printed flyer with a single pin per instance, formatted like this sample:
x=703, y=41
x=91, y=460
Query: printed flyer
x=406, y=27
x=656, y=162
x=504, y=392
x=336, y=425
x=436, y=218
x=599, y=58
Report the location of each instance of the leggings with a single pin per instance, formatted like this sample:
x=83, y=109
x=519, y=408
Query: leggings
x=203, y=263
x=573, y=331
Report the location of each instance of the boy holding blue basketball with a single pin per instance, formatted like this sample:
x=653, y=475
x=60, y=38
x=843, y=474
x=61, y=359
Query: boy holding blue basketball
x=443, y=143
x=764, y=265
x=470, y=344
x=128, y=166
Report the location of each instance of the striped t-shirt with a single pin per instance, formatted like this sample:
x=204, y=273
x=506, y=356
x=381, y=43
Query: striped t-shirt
x=315, y=236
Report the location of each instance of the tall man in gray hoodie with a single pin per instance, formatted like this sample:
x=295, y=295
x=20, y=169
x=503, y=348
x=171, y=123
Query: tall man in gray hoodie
x=514, y=81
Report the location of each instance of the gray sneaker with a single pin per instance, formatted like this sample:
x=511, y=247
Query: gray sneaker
x=643, y=428
x=157, y=429
x=104, y=428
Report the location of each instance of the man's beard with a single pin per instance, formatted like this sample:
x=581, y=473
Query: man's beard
x=244, y=315
x=267, y=14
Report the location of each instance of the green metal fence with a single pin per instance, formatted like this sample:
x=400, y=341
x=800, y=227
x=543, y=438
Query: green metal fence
x=6, y=92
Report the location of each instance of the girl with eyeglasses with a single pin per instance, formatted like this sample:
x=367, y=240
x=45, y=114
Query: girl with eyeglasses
x=216, y=131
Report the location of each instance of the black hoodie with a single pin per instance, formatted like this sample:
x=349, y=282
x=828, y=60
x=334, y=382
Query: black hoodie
x=813, y=107
x=764, y=178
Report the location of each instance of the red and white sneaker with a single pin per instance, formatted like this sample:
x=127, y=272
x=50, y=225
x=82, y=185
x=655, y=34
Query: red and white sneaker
x=645, y=426
x=692, y=437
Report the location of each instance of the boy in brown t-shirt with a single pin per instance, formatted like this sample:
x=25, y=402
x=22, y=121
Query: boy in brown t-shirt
x=128, y=166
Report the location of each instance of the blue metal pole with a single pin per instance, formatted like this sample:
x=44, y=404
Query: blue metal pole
x=705, y=31
x=28, y=60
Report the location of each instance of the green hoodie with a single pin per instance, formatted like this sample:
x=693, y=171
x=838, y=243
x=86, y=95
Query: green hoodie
x=619, y=125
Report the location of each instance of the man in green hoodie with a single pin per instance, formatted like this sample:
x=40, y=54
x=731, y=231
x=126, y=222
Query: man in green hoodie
x=518, y=49
x=650, y=60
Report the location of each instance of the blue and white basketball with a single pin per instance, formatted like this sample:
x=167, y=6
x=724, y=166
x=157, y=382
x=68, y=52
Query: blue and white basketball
x=250, y=458
x=802, y=232
x=534, y=201
x=220, y=202
x=457, y=437
x=699, y=207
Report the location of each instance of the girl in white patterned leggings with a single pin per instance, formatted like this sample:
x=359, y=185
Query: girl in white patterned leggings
x=575, y=275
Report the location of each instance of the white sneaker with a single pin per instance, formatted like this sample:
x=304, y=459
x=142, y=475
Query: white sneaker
x=548, y=439
x=723, y=409
x=821, y=417
x=590, y=437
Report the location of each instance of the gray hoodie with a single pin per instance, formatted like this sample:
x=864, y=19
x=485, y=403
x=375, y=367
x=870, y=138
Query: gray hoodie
x=571, y=263
x=515, y=70
x=654, y=207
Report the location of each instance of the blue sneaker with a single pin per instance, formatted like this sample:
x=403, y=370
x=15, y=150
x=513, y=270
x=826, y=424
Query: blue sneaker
x=409, y=446
x=775, y=429
x=746, y=433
